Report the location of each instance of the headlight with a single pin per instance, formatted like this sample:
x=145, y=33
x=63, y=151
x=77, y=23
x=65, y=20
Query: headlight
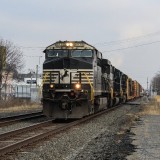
x=51, y=85
x=78, y=86
x=69, y=44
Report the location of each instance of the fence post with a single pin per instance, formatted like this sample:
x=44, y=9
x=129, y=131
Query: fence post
x=22, y=90
x=5, y=90
x=17, y=91
x=30, y=91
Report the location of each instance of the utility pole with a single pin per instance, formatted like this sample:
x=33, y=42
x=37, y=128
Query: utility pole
x=147, y=83
x=39, y=59
x=36, y=74
x=40, y=62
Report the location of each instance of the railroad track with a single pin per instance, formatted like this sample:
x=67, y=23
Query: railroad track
x=17, y=139
x=13, y=119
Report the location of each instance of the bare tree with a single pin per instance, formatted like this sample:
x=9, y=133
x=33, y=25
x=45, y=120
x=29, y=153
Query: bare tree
x=10, y=60
x=156, y=83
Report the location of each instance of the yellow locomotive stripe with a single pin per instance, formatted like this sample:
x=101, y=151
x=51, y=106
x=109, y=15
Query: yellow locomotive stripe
x=92, y=88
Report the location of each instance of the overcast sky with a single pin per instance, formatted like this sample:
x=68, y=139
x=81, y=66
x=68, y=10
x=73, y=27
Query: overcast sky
x=127, y=32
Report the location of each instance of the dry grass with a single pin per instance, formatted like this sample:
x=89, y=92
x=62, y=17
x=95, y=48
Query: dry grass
x=18, y=106
x=152, y=108
x=21, y=108
x=157, y=98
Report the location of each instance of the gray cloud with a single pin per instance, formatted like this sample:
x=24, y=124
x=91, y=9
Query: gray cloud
x=39, y=23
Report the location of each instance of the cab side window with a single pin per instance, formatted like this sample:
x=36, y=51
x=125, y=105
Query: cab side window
x=99, y=58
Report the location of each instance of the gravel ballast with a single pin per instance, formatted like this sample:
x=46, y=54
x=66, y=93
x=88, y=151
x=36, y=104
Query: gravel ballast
x=85, y=141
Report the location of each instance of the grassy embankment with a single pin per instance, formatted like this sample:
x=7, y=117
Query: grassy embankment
x=17, y=106
x=152, y=108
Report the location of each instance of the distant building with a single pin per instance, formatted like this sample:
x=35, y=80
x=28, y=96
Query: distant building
x=21, y=77
x=33, y=81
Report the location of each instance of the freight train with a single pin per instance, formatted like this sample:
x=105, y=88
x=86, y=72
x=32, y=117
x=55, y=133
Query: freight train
x=78, y=81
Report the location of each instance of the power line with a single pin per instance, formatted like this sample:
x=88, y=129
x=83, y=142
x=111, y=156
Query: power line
x=118, y=49
x=135, y=46
x=128, y=39
x=104, y=43
x=31, y=47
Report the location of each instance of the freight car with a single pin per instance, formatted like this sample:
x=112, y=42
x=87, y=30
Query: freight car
x=78, y=81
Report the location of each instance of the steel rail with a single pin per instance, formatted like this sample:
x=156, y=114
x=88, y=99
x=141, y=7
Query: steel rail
x=41, y=136
x=19, y=115
x=10, y=120
x=24, y=129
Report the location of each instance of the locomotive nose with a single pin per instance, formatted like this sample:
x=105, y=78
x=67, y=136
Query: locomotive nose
x=64, y=105
x=66, y=62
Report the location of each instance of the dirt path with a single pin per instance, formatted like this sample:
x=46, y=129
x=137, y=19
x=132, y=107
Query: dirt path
x=146, y=134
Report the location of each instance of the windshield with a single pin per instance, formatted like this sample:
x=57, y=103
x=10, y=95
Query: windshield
x=57, y=53
x=81, y=53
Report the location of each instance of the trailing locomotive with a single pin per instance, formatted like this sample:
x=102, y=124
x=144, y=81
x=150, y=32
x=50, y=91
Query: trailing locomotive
x=77, y=81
